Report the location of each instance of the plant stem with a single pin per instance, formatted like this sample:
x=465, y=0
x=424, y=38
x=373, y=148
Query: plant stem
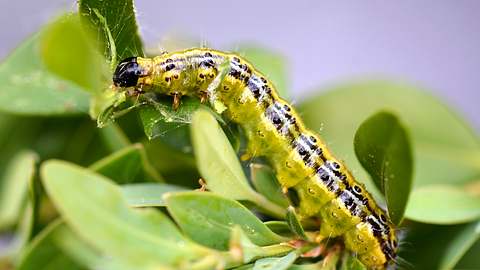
x=268, y=206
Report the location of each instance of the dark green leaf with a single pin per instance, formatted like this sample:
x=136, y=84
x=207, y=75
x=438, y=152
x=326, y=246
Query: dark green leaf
x=28, y=88
x=14, y=190
x=446, y=149
x=208, y=219
x=441, y=246
x=265, y=182
x=272, y=64
x=95, y=208
x=470, y=258
x=383, y=148
x=443, y=204
x=44, y=253
x=279, y=227
x=127, y=165
x=147, y=194
x=68, y=50
x=114, y=137
x=114, y=21
x=294, y=223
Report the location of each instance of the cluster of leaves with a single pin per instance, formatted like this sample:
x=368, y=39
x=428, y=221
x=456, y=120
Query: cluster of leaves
x=74, y=196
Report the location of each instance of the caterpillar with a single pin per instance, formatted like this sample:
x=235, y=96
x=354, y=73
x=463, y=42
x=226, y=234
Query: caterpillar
x=318, y=184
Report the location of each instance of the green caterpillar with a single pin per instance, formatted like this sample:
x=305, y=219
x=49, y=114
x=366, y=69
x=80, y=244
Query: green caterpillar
x=321, y=184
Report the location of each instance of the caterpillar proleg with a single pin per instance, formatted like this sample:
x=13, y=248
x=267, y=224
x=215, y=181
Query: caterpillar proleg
x=302, y=163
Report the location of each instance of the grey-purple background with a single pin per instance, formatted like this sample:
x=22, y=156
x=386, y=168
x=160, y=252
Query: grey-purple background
x=434, y=44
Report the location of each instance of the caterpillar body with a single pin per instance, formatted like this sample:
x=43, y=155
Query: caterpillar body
x=303, y=164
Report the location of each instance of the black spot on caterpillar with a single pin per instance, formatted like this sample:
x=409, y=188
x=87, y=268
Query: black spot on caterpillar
x=319, y=185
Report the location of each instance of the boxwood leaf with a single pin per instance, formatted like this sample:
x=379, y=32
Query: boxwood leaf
x=44, y=253
x=277, y=263
x=294, y=223
x=114, y=21
x=148, y=194
x=68, y=50
x=15, y=184
x=219, y=166
x=265, y=182
x=95, y=208
x=209, y=218
x=383, y=148
x=443, y=204
x=127, y=165
x=29, y=88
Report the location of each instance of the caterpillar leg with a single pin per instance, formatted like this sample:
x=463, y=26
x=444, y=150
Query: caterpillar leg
x=177, y=96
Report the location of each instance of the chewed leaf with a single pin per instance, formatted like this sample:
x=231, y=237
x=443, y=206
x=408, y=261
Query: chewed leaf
x=208, y=219
x=443, y=204
x=383, y=148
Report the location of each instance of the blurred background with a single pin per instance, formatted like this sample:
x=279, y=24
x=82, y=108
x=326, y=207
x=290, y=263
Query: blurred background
x=433, y=44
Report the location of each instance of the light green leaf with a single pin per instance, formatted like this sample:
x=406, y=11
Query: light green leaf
x=443, y=204
x=279, y=263
x=95, y=208
x=383, y=148
x=208, y=219
x=147, y=194
x=68, y=50
x=219, y=166
x=28, y=88
x=14, y=191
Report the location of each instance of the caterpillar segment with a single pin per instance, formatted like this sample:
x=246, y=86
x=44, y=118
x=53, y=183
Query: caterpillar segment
x=321, y=184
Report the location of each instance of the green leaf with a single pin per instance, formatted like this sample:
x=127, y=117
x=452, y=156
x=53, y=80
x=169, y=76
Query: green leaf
x=68, y=50
x=383, y=148
x=95, y=208
x=14, y=191
x=147, y=194
x=441, y=246
x=113, y=136
x=28, y=88
x=279, y=263
x=443, y=204
x=470, y=258
x=272, y=64
x=279, y=227
x=446, y=149
x=460, y=245
x=208, y=219
x=294, y=223
x=219, y=166
x=44, y=253
x=114, y=21
x=265, y=182
x=127, y=165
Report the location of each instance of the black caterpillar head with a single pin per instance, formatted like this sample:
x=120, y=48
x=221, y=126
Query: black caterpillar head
x=127, y=73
